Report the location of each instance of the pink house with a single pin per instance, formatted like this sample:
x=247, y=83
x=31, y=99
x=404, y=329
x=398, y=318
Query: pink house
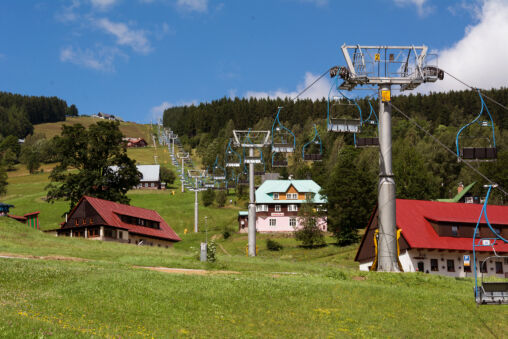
x=278, y=203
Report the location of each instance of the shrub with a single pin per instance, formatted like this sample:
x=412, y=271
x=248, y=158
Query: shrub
x=226, y=234
x=208, y=197
x=221, y=199
x=273, y=245
x=211, y=251
x=167, y=175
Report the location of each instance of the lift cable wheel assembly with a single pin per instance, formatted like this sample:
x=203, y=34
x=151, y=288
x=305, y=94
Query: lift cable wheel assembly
x=492, y=292
x=476, y=152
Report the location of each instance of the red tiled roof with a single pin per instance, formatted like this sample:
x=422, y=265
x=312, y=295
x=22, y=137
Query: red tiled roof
x=110, y=212
x=413, y=218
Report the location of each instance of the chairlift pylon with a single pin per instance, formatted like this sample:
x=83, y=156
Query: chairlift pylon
x=475, y=152
x=341, y=124
x=368, y=141
x=316, y=140
x=283, y=139
x=492, y=292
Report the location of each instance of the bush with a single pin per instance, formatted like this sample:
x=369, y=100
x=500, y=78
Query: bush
x=167, y=175
x=211, y=251
x=273, y=245
x=208, y=197
x=221, y=199
x=226, y=234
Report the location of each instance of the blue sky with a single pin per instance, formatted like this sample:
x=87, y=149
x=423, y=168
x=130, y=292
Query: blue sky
x=133, y=58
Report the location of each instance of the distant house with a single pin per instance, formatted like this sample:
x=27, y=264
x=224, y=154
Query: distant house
x=463, y=195
x=105, y=220
x=277, y=205
x=31, y=219
x=4, y=208
x=150, y=176
x=435, y=237
x=135, y=142
x=107, y=116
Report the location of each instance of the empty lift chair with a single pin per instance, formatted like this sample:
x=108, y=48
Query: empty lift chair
x=343, y=114
x=313, y=150
x=218, y=172
x=283, y=140
x=279, y=160
x=488, y=292
x=478, y=151
x=232, y=158
x=368, y=141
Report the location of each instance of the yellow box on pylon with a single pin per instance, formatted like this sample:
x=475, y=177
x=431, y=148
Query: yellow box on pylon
x=385, y=96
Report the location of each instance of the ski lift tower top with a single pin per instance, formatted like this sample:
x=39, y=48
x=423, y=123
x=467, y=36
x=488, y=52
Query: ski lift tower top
x=407, y=66
x=384, y=67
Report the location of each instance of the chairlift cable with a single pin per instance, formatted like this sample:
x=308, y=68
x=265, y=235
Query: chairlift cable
x=446, y=147
x=475, y=88
x=312, y=84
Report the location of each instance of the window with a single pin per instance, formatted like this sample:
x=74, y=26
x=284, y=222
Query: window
x=450, y=265
x=276, y=196
x=499, y=267
x=483, y=267
x=77, y=222
x=83, y=221
x=292, y=196
x=292, y=208
x=497, y=230
x=292, y=222
x=455, y=231
x=469, y=200
x=273, y=222
x=91, y=221
x=477, y=232
x=308, y=196
x=277, y=208
x=262, y=208
x=434, y=265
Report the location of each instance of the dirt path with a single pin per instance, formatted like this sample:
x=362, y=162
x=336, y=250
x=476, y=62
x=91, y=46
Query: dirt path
x=185, y=270
x=48, y=257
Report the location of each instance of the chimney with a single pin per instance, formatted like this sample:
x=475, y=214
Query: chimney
x=460, y=188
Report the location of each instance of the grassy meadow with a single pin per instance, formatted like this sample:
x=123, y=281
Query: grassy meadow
x=78, y=288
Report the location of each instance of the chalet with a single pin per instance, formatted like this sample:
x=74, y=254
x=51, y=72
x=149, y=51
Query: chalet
x=107, y=116
x=135, y=142
x=31, y=219
x=278, y=203
x=464, y=195
x=105, y=220
x=435, y=237
x=150, y=176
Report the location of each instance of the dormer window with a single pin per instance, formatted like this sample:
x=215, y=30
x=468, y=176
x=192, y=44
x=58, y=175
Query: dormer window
x=276, y=196
x=455, y=231
x=291, y=196
x=308, y=196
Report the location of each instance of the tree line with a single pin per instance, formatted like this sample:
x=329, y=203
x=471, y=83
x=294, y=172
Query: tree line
x=348, y=175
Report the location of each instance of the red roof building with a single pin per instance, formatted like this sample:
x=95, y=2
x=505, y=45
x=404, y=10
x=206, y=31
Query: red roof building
x=435, y=237
x=110, y=221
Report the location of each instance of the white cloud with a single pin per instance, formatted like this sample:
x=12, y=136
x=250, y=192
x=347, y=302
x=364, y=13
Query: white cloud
x=136, y=39
x=103, y=4
x=157, y=111
x=318, y=91
x=192, y=5
x=420, y=5
x=68, y=13
x=479, y=58
x=100, y=59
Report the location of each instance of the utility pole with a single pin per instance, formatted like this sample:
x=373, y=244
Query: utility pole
x=196, y=174
x=383, y=67
x=183, y=156
x=252, y=140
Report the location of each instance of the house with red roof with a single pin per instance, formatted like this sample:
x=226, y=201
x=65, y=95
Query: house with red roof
x=437, y=238
x=106, y=220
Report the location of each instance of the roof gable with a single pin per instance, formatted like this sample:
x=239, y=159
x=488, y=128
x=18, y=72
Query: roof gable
x=264, y=192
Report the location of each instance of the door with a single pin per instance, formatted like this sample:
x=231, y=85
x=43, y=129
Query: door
x=421, y=266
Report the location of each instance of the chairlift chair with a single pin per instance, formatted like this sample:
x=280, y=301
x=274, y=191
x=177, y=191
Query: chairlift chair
x=491, y=292
x=233, y=159
x=283, y=140
x=218, y=172
x=335, y=123
x=279, y=161
x=476, y=152
x=372, y=141
x=313, y=144
x=242, y=179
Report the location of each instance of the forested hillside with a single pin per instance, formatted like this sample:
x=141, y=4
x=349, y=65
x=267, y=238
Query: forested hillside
x=18, y=113
x=423, y=169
